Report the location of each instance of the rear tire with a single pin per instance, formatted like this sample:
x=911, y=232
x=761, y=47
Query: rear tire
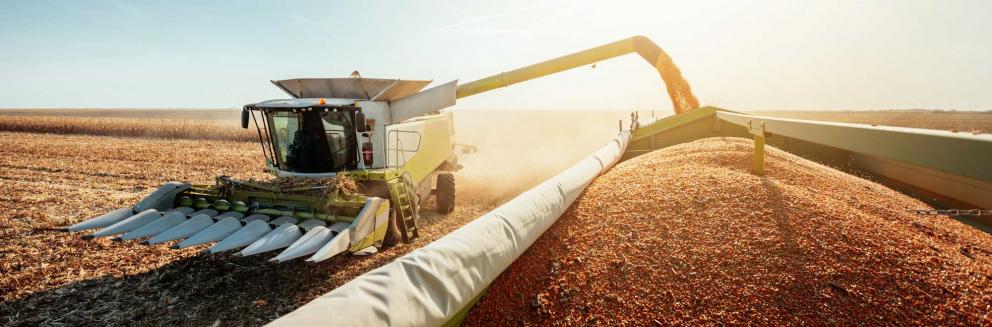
x=445, y=194
x=392, y=230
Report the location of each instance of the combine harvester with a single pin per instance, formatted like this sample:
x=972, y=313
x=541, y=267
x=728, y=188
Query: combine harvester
x=387, y=135
x=381, y=134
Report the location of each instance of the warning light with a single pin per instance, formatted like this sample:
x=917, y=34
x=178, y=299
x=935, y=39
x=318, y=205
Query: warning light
x=322, y=101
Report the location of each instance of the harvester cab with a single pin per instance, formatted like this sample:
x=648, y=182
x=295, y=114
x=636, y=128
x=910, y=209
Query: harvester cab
x=353, y=158
x=341, y=124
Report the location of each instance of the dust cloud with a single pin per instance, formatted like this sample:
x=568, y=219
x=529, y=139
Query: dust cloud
x=520, y=149
x=516, y=149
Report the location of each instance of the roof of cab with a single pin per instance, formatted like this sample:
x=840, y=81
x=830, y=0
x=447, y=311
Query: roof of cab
x=302, y=103
x=359, y=88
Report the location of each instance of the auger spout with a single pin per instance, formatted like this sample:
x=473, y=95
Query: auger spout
x=678, y=88
x=445, y=95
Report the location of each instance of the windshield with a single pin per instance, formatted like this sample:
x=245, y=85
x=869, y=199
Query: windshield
x=314, y=141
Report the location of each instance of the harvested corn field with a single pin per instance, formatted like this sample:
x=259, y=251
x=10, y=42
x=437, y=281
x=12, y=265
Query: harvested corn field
x=48, y=277
x=687, y=235
x=191, y=129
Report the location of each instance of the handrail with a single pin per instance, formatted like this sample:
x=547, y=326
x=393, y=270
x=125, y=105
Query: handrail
x=962, y=154
x=399, y=146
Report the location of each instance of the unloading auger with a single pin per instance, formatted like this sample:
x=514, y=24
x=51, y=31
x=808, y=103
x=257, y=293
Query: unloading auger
x=386, y=137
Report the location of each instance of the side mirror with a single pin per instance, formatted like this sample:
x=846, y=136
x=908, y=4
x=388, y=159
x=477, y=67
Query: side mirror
x=244, y=118
x=360, y=122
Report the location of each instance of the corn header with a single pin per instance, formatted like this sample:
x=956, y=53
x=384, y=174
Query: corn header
x=353, y=158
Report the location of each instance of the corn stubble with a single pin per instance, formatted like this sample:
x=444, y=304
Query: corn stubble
x=686, y=235
x=48, y=277
x=222, y=130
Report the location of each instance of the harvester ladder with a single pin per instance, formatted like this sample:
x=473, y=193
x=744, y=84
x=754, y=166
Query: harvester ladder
x=406, y=218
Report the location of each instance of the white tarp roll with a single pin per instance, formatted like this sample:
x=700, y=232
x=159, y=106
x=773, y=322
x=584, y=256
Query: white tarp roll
x=429, y=286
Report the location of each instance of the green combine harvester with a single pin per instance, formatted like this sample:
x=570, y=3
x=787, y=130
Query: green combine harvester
x=352, y=161
x=353, y=158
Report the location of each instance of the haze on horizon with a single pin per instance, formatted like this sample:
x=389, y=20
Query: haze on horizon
x=772, y=55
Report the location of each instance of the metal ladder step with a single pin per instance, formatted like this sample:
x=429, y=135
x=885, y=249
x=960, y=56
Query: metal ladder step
x=406, y=218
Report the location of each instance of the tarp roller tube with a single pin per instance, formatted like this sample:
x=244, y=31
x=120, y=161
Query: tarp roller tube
x=431, y=285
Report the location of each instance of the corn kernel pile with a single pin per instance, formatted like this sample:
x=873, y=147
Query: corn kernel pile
x=687, y=235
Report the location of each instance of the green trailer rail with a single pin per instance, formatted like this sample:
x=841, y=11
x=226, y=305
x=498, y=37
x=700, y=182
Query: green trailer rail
x=943, y=168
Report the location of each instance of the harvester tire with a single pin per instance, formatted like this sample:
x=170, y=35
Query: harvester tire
x=445, y=193
x=392, y=230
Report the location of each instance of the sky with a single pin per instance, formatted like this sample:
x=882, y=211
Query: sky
x=742, y=55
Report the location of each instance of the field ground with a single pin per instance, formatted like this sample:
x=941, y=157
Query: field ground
x=52, y=177
x=48, y=181
x=50, y=277
x=169, y=128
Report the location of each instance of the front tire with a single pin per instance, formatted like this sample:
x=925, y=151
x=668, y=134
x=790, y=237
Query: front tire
x=445, y=194
x=392, y=230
